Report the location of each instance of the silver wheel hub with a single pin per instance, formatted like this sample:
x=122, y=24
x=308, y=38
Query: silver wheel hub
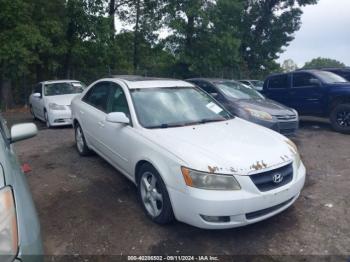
x=151, y=197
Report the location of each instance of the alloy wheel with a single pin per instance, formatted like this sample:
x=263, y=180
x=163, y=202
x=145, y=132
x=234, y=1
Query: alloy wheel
x=150, y=194
x=79, y=139
x=343, y=118
x=47, y=120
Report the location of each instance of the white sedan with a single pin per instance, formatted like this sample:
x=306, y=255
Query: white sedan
x=189, y=158
x=50, y=101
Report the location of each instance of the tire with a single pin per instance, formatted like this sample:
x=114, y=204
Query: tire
x=153, y=195
x=32, y=112
x=340, y=118
x=80, y=141
x=47, y=122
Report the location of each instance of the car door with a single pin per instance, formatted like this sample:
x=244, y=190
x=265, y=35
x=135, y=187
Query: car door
x=306, y=93
x=92, y=115
x=277, y=88
x=118, y=139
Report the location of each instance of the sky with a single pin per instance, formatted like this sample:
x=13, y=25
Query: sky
x=325, y=32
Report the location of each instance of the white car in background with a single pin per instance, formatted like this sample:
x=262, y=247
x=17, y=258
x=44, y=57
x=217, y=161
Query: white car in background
x=50, y=101
x=189, y=158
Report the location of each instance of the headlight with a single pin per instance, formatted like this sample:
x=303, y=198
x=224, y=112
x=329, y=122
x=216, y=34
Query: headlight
x=296, y=113
x=209, y=181
x=54, y=106
x=8, y=224
x=295, y=151
x=259, y=114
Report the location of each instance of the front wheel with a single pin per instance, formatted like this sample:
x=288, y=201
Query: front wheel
x=47, y=121
x=340, y=118
x=154, y=196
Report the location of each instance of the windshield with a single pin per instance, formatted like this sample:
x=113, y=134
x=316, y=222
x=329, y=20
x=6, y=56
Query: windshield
x=238, y=90
x=64, y=88
x=330, y=78
x=178, y=106
x=257, y=83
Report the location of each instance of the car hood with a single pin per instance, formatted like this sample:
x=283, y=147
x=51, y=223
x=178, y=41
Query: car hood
x=65, y=100
x=266, y=105
x=230, y=147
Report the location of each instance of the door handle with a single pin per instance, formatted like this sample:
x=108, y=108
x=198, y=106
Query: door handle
x=101, y=124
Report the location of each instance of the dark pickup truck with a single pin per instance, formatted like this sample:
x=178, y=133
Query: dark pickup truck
x=313, y=93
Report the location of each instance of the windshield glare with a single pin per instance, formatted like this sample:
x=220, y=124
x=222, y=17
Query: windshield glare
x=330, y=77
x=63, y=88
x=238, y=91
x=180, y=106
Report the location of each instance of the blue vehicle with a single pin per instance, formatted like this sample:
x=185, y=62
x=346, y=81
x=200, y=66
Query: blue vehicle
x=313, y=93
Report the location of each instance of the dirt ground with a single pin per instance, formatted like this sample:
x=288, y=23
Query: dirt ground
x=87, y=207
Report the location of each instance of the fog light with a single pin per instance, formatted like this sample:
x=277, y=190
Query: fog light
x=214, y=219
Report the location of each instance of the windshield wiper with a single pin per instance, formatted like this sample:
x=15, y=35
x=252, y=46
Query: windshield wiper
x=163, y=126
x=209, y=120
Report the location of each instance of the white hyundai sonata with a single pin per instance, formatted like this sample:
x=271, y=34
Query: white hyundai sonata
x=189, y=158
x=50, y=101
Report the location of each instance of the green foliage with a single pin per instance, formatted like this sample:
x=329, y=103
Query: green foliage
x=42, y=40
x=323, y=63
x=289, y=65
x=267, y=26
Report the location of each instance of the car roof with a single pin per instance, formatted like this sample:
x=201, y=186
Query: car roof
x=212, y=80
x=59, y=81
x=137, y=82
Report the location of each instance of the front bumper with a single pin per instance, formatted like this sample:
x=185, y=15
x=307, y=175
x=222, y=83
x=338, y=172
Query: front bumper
x=60, y=117
x=243, y=207
x=283, y=127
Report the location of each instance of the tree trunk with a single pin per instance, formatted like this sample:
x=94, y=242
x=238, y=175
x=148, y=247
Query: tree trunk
x=6, y=94
x=111, y=13
x=136, y=37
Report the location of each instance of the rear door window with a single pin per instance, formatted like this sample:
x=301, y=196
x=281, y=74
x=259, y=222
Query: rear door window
x=304, y=80
x=278, y=82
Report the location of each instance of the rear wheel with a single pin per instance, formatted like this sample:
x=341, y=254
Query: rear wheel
x=340, y=118
x=154, y=196
x=80, y=142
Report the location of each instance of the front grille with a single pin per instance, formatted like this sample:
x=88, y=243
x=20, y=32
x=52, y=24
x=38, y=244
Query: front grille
x=264, y=212
x=288, y=127
x=286, y=117
x=265, y=181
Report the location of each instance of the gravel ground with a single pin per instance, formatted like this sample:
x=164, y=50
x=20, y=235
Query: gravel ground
x=86, y=207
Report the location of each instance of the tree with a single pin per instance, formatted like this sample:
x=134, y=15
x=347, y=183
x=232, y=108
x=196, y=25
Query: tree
x=18, y=36
x=146, y=17
x=323, y=63
x=266, y=27
x=204, y=37
x=289, y=65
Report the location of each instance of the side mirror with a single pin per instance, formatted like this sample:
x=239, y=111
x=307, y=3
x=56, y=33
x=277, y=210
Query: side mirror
x=38, y=95
x=23, y=131
x=118, y=117
x=315, y=82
